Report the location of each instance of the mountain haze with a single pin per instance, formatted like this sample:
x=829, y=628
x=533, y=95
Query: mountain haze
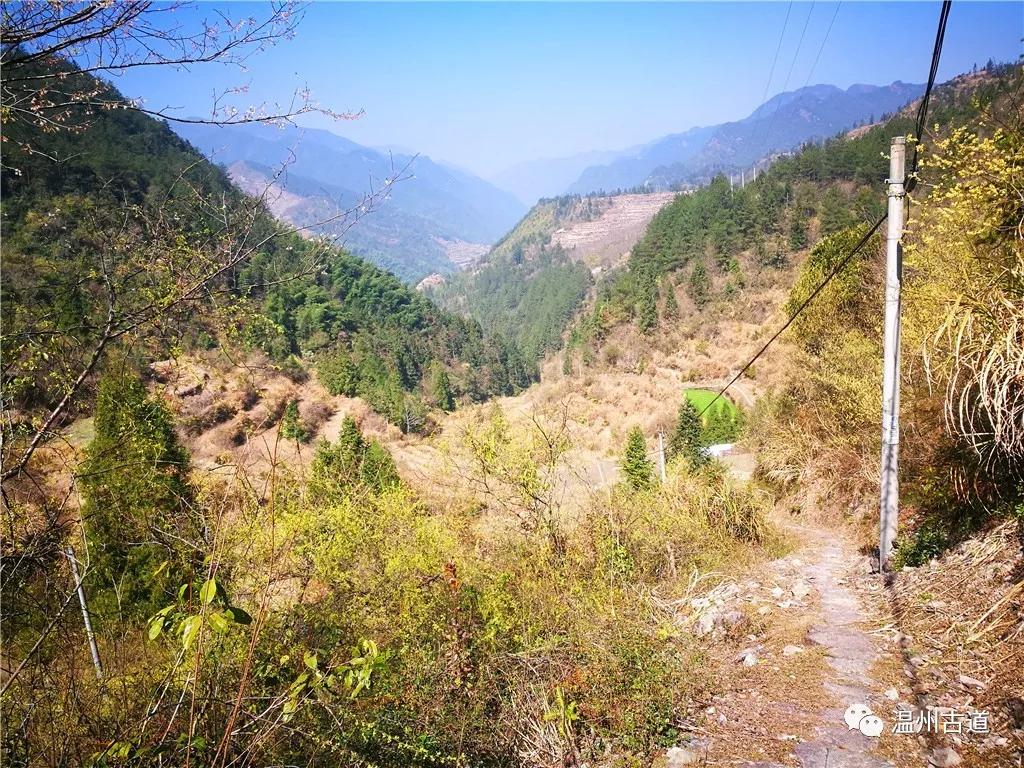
x=549, y=177
x=420, y=226
x=779, y=125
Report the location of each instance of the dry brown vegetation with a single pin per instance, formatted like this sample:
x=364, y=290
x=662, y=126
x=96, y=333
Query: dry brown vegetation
x=959, y=624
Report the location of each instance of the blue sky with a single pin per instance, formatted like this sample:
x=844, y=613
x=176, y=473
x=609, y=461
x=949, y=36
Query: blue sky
x=487, y=85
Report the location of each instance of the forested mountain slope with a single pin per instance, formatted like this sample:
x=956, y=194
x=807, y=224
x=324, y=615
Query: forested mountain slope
x=710, y=242
x=428, y=206
x=531, y=284
x=771, y=220
x=116, y=225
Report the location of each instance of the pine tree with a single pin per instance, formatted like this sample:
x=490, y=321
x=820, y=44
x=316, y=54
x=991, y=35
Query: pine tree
x=761, y=251
x=350, y=462
x=647, y=308
x=351, y=446
x=636, y=466
x=700, y=284
x=291, y=425
x=378, y=471
x=726, y=425
x=441, y=389
x=798, y=232
x=136, y=494
x=686, y=437
x=671, y=308
x=739, y=420
x=716, y=426
x=338, y=373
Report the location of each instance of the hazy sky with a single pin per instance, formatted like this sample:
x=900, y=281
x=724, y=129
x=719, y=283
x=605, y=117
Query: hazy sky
x=488, y=85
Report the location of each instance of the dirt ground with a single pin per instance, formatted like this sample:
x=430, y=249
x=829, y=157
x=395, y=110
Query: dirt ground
x=822, y=633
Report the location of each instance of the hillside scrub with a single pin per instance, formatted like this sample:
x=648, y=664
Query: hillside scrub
x=816, y=426
x=975, y=219
x=338, y=619
x=962, y=355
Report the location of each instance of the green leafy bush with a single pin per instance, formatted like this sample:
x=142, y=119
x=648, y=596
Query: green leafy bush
x=292, y=427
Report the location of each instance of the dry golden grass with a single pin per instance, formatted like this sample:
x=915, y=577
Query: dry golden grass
x=963, y=615
x=637, y=381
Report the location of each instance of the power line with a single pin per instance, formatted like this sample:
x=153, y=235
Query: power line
x=800, y=42
x=922, y=116
x=767, y=134
x=821, y=48
x=778, y=48
x=922, y=112
x=835, y=271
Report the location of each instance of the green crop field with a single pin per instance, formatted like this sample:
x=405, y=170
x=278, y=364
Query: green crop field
x=701, y=397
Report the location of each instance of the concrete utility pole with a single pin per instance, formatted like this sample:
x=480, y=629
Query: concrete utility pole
x=889, y=503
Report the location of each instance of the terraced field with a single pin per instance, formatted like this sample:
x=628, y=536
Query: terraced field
x=606, y=240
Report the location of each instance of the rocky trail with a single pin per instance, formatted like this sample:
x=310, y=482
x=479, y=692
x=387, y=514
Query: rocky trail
x=811, y=658
x=840, y=628
x=821, y=673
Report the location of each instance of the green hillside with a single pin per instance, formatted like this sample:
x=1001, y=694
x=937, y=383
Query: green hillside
x=119, y=213
x=526, y=289
x=817, y=191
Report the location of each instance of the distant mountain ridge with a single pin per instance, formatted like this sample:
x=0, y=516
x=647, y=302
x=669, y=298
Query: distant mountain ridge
x=781, y=124
x=436, y=221
x=410, y=227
